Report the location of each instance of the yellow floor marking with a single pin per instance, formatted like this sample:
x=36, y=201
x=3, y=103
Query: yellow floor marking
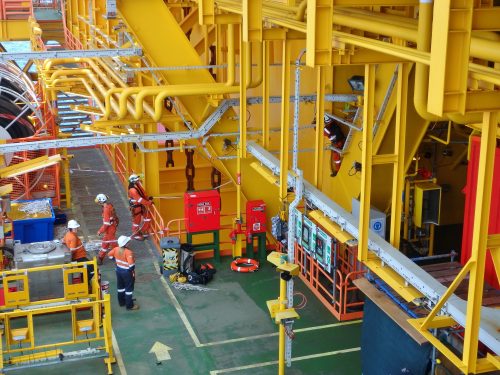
x=118, y=354
x=296, y=359
x=177, y=305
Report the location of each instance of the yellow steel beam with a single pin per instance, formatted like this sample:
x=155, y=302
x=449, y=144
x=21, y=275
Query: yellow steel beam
x=384, y=159
x=206, y=12
x=265, y=94
x=5, y=189
x=285, y=121
x=451, y=35
x=366, y=161
x=443, y=349
x=319, y=32
x=252, y=20
x=331, y=227
x=392, y=278
x=320, y=123
x=398, y=175
x=479, y=239
x=486, y=19
x=29, y=166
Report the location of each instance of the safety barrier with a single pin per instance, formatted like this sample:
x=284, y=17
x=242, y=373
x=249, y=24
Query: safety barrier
x=334, y=289
x=22, y=346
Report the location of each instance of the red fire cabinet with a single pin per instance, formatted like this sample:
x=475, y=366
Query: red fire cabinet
x=202, y=210
x=256, y=216
x=470, y=203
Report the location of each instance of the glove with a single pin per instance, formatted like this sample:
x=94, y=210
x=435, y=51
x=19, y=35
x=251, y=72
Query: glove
x=100, y=234
x=150, y=198
x=133, y=275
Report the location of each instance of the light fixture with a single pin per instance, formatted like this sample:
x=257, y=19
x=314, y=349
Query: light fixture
x=357, y=83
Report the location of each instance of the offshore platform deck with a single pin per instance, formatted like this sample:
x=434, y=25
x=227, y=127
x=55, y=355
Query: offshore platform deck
x=350, y=152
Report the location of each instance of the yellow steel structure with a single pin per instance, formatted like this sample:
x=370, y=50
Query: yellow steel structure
x=422, y=62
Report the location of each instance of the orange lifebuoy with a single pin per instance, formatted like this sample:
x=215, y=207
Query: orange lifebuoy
x=244, y=265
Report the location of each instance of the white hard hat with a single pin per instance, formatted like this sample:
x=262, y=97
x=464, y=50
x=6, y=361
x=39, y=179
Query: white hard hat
x=326, y=118
x=101, y=198
x=133, y=178
x=123, y=240
x=73, y=224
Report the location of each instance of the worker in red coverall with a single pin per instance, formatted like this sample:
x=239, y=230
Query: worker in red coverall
x=125, y=273
x=139, y=207
x=75, y=245
x=108, y=228
x=334, y=133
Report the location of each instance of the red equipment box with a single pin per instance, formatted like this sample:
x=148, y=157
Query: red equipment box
x=256, y=216
x=202, y=210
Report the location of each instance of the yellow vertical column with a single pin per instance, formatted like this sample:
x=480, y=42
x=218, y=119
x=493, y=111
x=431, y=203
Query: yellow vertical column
x=366, y=160
x=265, y=95
x=479, y=239
x=398, y=175
x=320, y=109
x=152, y=166
x=243, y=136
x=285, y=122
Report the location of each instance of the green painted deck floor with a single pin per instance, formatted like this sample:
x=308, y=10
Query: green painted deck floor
x=226, y=330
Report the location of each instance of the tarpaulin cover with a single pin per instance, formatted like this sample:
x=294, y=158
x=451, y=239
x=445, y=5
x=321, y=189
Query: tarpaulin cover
x=388, y=350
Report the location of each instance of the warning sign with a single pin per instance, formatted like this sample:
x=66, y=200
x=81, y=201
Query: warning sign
x=204, y=208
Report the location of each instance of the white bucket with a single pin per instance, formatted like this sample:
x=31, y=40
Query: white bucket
x=105, y=287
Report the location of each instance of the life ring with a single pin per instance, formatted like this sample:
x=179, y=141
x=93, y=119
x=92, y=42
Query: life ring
x=244, y=265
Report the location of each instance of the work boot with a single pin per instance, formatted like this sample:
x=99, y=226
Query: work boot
x=135, y=307
x=333, y=174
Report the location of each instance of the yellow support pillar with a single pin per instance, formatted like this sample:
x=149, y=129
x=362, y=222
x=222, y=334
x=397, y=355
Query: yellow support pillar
x=319, y=32
x=366, y=160
x=265, y=95
x=151, y=167
x=320, y=123
x=67, y=180
x=451, y=35
x=398, y=175
x=479, y=239
x=285, y=121
x=281, y=346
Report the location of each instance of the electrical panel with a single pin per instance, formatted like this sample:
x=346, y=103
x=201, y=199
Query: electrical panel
x=323, y=249
x=256, y=216
x=377, y=218
x=298, y=227
x=308, y=235
x=202, y=210
x=427, y=204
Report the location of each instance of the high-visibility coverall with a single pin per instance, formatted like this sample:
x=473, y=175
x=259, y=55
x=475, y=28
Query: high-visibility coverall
x=78, y=253
x=125, y=275
x=337, y=138
x=139, y=207
x=108, y=228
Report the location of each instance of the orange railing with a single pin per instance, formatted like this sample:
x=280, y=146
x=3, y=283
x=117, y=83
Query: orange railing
x=336, y=289
x=15, y=9
x=72, y=41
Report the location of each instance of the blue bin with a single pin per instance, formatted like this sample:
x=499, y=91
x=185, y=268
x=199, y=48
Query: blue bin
x=35, y=229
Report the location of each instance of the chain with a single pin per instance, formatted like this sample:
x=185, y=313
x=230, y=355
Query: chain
x=216, y=178
x=170, y=153
x=190, y=169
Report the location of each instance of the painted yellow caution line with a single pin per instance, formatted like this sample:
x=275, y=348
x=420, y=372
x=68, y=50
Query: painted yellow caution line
x=195, y=338
x=272, y=363
x=118, y=354
x=266, y=335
